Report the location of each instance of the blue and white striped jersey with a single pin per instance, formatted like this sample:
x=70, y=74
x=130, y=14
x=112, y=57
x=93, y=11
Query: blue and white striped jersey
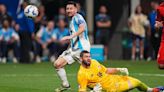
x=8, y=34
x=82, y=41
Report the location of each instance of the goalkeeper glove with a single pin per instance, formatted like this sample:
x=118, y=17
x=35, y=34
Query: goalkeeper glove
x=97, y=88
x=123, y=71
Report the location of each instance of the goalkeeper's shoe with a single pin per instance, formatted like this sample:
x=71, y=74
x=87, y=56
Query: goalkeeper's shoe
x=161, y=88
x=62, y=88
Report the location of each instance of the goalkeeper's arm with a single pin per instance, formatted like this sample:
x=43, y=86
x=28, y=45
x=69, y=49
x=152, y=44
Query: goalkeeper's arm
x=122, y=71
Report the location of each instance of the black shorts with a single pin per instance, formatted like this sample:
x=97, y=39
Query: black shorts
x=134, y=37
x=102, y=37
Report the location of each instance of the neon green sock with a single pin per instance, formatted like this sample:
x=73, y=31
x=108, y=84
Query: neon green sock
x=142, y=87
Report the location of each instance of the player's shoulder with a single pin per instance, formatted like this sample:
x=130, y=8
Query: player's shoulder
x=79, y=16
x=94, y=61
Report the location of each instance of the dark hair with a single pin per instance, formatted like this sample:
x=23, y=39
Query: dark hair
x=136, y=9
x=71, y=2
x=83, y=52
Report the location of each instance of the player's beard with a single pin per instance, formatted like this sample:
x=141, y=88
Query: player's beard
x=86, y=63
x=71, y=15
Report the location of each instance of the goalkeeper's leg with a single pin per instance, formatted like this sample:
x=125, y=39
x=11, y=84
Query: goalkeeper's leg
x=135, y=83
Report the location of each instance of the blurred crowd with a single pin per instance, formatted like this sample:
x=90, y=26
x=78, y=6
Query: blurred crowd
x=39, y=39
x=145, y=39
x=31, y=40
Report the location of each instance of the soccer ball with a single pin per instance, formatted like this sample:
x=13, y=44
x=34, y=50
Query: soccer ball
x=31, y=11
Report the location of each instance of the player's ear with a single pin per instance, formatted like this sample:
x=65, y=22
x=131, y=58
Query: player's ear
x=81, y=59
x=75, y=9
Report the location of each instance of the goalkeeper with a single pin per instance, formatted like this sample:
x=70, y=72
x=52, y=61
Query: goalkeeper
x=97, y=77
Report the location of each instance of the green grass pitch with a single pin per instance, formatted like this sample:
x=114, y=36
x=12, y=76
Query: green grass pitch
x=42, y=77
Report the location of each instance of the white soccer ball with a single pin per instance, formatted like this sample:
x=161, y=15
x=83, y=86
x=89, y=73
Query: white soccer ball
x=31, y=11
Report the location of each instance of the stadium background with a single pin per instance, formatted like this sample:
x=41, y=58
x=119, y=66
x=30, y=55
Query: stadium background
x=42, y=78
x=119, y=12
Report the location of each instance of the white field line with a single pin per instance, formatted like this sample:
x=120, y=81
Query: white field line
x=148, y=74
x=47, y=75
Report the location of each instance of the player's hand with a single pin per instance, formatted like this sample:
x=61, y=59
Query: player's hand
x=123, y=71
x=97, y=88
x=158, y=24
x=66, y=38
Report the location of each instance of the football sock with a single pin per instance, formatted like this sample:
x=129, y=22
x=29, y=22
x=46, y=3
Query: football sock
x=62, y=75
x=143, y=87
x=150, y=90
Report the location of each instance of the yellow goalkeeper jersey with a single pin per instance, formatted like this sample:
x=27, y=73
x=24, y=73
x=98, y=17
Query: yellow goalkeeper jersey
x=96, y=73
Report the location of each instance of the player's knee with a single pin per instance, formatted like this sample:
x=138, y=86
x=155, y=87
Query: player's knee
x=57, y=65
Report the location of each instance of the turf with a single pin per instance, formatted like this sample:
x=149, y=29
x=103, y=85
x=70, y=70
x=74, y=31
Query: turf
x=42, y=77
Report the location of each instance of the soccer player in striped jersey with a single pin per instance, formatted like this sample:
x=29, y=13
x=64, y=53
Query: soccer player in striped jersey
x=79, y=41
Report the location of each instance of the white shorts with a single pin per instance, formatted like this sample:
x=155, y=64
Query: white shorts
x=71, y=55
